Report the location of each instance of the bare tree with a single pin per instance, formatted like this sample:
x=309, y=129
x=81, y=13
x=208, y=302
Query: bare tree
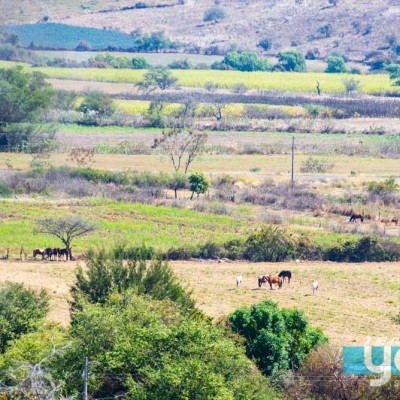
x=81, y=156
x=66, y=229
x=216, y=110
x=182, y=146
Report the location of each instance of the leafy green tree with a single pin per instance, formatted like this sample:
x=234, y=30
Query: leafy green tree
x=243, y=61
x=214, y=14
x=155, y=42
x=112, y=60
x=140, y=63
x=21, y=311
x=96, y=106
x=351, y=85
x=388, y=186
x=336, y=65
x=277, y=339
x=146, y=349
x=292, y=60
x=198, y=184
x=157, y=78
x=23, y=96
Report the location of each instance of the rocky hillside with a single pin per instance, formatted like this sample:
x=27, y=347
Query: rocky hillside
x=351, y=27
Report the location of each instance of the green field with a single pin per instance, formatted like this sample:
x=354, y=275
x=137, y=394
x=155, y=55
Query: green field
x=292, y=81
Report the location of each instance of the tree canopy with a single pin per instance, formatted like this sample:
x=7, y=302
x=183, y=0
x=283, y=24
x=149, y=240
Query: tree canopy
x=292, y=60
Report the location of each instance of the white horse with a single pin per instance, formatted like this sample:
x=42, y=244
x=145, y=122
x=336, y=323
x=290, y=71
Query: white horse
x=239, y=279
x=314, y=287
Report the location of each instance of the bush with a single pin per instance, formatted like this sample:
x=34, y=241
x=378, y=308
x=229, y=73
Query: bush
x=96, y=106
x=351, y=85
x=265, y=44
x=277, y=339
x=388, y=186
x=314, y=165
x=198, y=184
x=292, y=60
x=214, y=14
x=181, y=64
x=243, y=61
x=134, y=253
x=140, y=63
x=21, y=311
x=5, y=191
x=336, y=65
x=97, y=176
x=270, y=244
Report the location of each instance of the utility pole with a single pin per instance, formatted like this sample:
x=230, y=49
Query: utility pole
x=292, y=162
x=85, y=379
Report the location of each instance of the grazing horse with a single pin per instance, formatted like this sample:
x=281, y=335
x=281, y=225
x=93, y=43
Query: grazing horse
x=276, y=280
x=239, y=279
x=48, y=252
x=40, y=252
x=55, y=254
x=63, y=252
x=355, y=216
x=314, y=288
x=285, y=274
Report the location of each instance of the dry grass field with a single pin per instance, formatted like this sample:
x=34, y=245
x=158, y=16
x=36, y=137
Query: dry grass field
x=354, y=301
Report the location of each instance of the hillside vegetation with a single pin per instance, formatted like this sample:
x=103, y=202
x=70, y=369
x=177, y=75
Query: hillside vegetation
x=354, y=28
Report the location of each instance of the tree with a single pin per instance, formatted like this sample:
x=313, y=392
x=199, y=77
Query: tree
x=181, y=146
x=21, y=311
x=214, y=14
x=66, y=229
x=96, y=106
x=198, y=184
x=140, y=63
x=178, y=181
x=265, y=44
x=276, y=339
x=336, y=65
x=23, y=96
x=157, y=78
x=292, y=60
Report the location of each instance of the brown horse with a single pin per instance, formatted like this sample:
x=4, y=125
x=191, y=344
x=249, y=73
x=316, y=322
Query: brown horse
x=272, y=280
x=355, y=216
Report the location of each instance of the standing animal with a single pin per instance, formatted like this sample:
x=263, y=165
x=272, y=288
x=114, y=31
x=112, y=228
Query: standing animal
x=314, y=287
x=55, y=254
x=63, y=253
x=39, y=252
x=395, y=220
x=272, y=280
x=48, y=252
x=239, y=279
x=355, y=216
x=285, y=274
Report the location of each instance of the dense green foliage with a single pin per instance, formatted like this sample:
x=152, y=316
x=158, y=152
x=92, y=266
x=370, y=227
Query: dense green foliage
x=276, y=339
x=336, y=65
x=243, y=61
x=394, y=71
x=198, y=183
x=148, y=349
x=292, y=60
x=110, y=60
x=106, y=274
x=140, y=63
x=21, y=311
x=22, y=96
x=388, y=186
x=96, y=106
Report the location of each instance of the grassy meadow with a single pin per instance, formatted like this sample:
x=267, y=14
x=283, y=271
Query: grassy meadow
x=349, y=306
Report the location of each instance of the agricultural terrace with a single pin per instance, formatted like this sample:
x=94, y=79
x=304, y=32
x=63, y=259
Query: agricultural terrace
x=284, y=81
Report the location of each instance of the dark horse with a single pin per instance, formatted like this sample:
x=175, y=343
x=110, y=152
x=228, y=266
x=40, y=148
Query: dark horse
x=39, y=252
x=355, y=216
x=285, y=274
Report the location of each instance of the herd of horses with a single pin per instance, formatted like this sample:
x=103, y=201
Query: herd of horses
x=355, y=216
x=276, y=280
x=51, y=254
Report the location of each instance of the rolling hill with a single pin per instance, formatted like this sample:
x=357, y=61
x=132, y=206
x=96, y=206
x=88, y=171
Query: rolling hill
x=351, y=27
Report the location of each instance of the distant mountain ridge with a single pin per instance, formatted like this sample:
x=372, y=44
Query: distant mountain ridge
x=354, y=28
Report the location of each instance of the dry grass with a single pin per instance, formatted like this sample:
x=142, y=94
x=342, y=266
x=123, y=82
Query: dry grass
x=355, y=301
